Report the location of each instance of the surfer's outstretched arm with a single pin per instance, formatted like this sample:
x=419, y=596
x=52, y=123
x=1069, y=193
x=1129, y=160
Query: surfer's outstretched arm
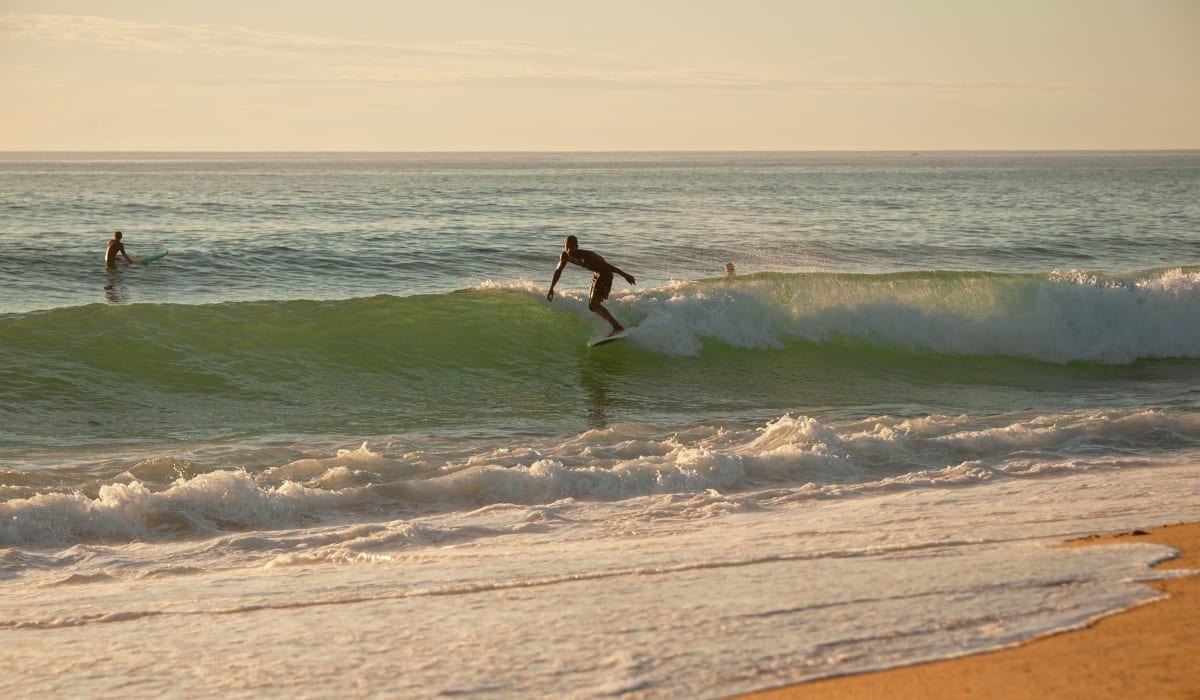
x=562, y=262
x=628, y=278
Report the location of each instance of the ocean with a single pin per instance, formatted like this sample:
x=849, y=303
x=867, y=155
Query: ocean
x=337, y=443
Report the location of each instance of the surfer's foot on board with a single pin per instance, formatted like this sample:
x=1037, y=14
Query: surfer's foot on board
x=603, y=313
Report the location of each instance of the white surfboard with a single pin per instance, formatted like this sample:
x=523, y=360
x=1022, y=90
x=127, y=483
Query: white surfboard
x=609, y=338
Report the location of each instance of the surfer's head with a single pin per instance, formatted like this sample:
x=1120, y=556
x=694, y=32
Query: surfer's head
x=117, y=235
x=570, y=243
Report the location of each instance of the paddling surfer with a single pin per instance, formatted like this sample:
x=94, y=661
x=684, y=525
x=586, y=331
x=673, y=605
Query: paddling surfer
x=601, y=281
x=115, y=247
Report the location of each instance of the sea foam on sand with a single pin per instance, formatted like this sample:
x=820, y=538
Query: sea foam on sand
x=697, y=595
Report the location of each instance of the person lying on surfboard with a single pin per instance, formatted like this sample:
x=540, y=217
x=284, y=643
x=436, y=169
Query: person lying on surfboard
x=115, y=246
x=601, y=281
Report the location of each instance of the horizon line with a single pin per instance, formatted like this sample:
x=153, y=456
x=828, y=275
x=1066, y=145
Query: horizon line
x=609, y=151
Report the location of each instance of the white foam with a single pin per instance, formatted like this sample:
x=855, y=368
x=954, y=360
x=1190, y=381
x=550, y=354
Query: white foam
x=362, y=457
x=702, y=593
x=833, y=458
x=1063, y=317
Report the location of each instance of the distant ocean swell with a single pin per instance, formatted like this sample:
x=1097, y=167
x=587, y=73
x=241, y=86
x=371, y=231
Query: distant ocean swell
x=697, y=473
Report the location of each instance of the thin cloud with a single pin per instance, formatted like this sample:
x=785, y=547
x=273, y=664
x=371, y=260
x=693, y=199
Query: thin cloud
x=479, y=62
x=120, y=35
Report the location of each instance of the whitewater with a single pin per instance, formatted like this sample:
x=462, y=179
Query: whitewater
x=338, y=443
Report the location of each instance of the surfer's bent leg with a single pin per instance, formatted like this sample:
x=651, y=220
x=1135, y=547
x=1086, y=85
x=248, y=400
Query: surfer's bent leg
x=601, y=286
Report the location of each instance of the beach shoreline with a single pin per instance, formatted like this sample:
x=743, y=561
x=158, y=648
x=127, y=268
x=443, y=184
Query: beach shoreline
x=1145, y=651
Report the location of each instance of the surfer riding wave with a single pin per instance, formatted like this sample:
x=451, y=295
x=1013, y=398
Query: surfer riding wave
x=601, y=280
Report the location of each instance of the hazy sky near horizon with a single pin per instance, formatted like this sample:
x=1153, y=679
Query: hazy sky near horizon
x=479, y=75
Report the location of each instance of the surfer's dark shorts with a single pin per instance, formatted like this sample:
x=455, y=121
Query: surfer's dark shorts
x=601, y=286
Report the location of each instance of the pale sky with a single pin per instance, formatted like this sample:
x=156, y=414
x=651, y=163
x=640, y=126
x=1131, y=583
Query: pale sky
x=543, y=75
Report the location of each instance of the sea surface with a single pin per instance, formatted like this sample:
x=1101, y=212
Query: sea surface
x=337, y=443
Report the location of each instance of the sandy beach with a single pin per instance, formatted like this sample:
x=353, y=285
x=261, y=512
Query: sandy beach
x=1146, y=652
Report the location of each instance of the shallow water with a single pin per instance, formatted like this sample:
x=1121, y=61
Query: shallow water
x=337, y=442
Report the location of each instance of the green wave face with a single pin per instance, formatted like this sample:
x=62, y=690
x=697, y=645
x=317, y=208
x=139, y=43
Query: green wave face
x=502, y=360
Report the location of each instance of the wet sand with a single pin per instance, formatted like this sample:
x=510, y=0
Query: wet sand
x=1149, y=651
